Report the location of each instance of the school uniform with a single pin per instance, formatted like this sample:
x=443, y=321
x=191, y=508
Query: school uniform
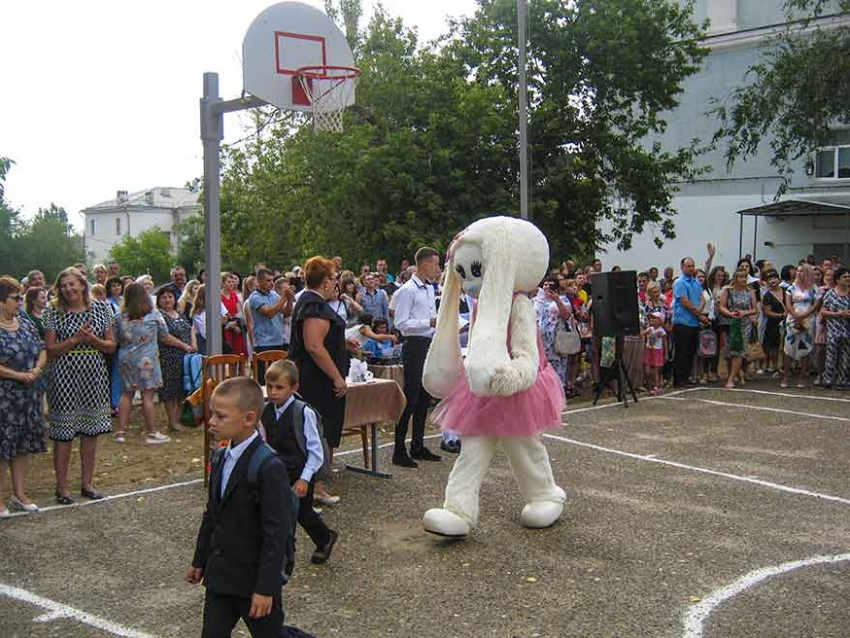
x=301, y=453
x=239, y=544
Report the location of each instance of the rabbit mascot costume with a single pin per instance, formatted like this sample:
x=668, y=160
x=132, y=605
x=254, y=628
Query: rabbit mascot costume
x=505, y=392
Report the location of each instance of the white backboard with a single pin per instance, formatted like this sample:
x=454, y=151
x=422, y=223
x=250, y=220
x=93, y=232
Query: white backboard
x=283, y=38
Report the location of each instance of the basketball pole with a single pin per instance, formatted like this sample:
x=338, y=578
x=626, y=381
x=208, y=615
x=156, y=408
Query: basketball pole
x=523, y=114
x=213, y=109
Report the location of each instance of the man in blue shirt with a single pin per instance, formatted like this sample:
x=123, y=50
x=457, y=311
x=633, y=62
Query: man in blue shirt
x=268, y=310
x=687, y=321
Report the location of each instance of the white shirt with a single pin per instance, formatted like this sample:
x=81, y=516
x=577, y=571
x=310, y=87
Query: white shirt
x=312, y=441
x=415, y=308
x=231, y=458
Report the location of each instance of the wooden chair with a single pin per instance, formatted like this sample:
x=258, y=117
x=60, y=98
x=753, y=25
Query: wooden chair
x=267, y=358
x=217, y=368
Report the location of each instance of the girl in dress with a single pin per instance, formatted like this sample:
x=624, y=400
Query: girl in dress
x=656, y=350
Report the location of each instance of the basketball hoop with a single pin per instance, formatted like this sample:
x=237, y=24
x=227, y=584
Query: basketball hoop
x=327, y=88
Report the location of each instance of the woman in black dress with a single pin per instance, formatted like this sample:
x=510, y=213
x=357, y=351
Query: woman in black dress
x=171, y=394
x=319, y=349
x=773, y=305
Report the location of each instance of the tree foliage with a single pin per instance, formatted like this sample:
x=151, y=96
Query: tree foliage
x=147, y=253
x=432, y=143
x=46, y=242
x=794, y=94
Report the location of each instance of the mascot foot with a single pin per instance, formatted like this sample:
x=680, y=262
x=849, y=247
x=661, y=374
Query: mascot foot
x=541, y=514
x=444, y=523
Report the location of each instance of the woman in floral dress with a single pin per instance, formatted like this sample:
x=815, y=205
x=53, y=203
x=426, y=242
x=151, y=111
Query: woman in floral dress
x=802, y=304
x=551, y=308
x=140, y=329
x=79, y=332
x=22, y=360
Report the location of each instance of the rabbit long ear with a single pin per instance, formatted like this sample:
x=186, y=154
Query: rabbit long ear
x=488, y=350
x=444, y=364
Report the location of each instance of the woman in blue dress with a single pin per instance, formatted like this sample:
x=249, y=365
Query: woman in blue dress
x=140, y=329
x=22, y=360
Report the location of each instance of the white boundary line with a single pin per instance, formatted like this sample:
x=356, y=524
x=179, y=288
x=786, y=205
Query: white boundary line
x=698, y=613
x=783, y=394
x=764, y=408
x=56, y=610
x=642, y=400
x=651, y=458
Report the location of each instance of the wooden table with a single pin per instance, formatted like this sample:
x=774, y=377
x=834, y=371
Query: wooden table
x=367, y=405
x=394, y=372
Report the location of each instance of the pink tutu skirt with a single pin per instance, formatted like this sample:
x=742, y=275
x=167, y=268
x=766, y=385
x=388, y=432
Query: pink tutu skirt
x=526, y=413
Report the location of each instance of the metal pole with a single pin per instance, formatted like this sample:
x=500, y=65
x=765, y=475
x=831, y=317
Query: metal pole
x=523, y=115
x=212, y=132
x=845, y=257
x=755, y=238
x=740, y=235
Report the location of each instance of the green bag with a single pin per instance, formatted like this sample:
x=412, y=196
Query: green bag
x=736, y=336
x=191, y=416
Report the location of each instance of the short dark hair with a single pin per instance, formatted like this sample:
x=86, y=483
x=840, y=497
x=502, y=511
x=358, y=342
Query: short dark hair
x=379, y=321
x=165, y=290
x=283, y=369
x=111, y=282
x=786, y=272
x=838, y=273
x=684, y=259
x=246, y=393
x=424, y=254
x=365, y=318
x=262, y=273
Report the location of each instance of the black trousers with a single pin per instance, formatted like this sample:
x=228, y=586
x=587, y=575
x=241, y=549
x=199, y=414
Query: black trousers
x=261, y=368
x=685, y=345
x=413, y=358
x=221, y=613
x=308, y=518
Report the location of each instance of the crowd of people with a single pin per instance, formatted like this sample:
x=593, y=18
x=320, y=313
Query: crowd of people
x=97, y=346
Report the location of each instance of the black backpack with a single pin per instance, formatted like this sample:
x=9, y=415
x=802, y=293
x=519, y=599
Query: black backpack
x=255, y=465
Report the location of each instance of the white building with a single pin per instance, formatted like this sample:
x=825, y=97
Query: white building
x=735, y=209
x=132, y=213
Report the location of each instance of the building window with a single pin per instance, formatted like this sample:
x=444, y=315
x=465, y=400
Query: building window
x=117, y=225
x=833, y=163
x=93, y=226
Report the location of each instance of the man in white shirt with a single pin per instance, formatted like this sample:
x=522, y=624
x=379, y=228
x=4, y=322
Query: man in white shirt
x=415, y=318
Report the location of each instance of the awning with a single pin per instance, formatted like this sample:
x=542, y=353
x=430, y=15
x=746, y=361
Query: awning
x=795, y=208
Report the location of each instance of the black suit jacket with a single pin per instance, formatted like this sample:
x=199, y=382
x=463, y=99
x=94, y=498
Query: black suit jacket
x=239, y=544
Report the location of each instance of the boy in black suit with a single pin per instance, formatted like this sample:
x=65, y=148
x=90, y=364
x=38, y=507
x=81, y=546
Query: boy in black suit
x=291, y=428
x=239, y=552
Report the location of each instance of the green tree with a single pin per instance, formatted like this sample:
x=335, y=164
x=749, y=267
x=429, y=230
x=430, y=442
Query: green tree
x=147, y=253
x=49, y=243
x=793, y=95
x=9, y=223
x=190, y=251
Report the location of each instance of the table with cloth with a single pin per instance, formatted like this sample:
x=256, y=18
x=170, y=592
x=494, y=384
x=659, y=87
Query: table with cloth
x=394, y=372
x=367, y=404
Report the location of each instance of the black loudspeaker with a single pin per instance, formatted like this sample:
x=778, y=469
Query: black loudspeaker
x=615, y=304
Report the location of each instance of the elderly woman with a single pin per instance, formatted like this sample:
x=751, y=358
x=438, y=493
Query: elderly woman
x=101, y=274
x=146, y=282
x=140, y=329
x=22, y=361
x=79, y=332
x=836, y=316
x=320, y=351
x=171, y=394
x=551, y=308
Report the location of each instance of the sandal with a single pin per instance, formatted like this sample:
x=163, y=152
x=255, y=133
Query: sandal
x=119, y=436
x=783, y=385
x=63, y=500
x=91, y=494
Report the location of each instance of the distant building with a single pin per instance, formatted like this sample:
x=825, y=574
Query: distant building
x=735, y=209
x=132, y=213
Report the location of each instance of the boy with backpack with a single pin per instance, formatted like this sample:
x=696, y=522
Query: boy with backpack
x=246, y=540
x=293, y=429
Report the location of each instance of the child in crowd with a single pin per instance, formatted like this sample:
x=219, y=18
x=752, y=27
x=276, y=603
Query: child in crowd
x=656, y=350
x=239, y=552
x=98, y=292
x=376, y=348
x=291, y=428
x=362, y=331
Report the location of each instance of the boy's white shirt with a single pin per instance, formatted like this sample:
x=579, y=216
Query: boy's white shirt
x=312, y=440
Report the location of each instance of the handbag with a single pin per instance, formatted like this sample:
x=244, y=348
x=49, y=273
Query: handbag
x=567, y=338
x=754, y=352
x=707, y=343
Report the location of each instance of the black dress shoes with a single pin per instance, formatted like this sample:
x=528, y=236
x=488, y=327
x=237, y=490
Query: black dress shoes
x=321, y=556
x=424, y=455
x=452, y=447
x=404, y=461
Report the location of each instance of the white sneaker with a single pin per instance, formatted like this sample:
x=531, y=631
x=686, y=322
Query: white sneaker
x=27, y=507
x=5, y=513
x=156, y=438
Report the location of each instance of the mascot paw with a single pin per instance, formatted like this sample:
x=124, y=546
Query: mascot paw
x=444, y=523
x=541, y=514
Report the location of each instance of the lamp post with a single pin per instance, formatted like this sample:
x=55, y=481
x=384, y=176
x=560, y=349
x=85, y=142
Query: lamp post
x=523, y=114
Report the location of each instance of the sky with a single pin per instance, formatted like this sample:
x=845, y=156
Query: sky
x=98, y=96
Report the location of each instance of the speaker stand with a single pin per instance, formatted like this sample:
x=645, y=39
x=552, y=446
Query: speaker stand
x=616, y=372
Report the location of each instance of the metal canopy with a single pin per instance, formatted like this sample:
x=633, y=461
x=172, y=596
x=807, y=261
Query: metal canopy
x=795, y=208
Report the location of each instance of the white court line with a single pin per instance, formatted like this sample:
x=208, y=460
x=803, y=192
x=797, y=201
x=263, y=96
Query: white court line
x=57, y=610
x=698, y=613
x=651, y=458
x=631, y=403
x=783, y=394
x=765, y=409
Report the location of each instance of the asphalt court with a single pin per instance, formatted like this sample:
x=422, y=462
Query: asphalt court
x=702, y=513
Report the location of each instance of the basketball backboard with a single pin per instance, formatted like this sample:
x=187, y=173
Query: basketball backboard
x=284, y=38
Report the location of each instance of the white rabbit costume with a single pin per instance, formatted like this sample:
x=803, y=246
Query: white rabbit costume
x=505, y=392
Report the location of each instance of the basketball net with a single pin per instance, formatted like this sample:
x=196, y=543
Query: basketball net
x=328, y=89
